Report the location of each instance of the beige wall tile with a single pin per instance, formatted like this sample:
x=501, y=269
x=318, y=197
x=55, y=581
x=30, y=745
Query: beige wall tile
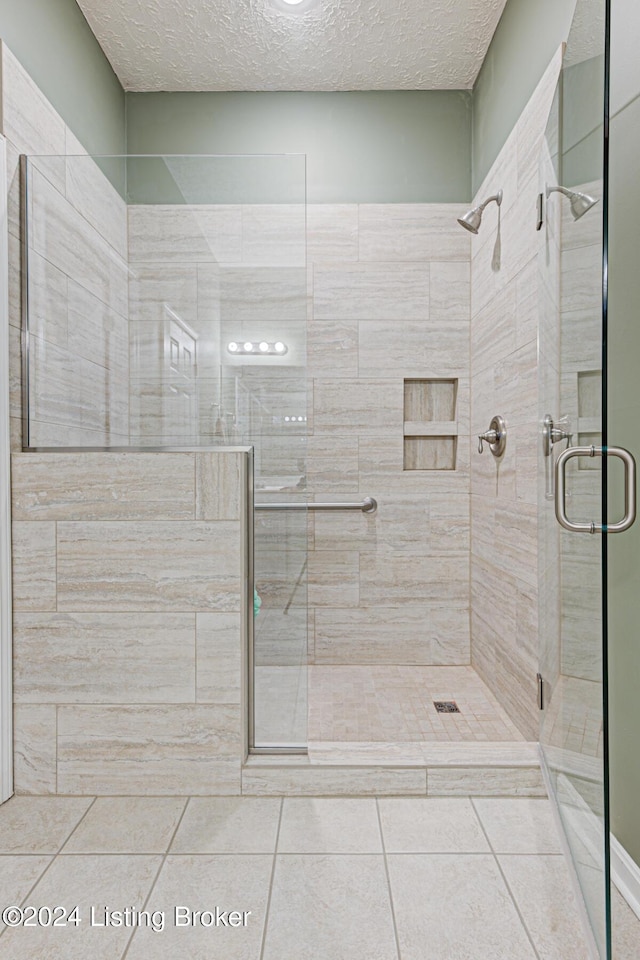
x=13, y=190
x=29, y=121
x=332, y=348
x=259, y=294
x=493, y=331
x=72, y=392
x=326, y=781
x=62, y=235
x=274, y=234
x=412, y=231
x=449, y=522
x=419, y=633
x=332, y=464
x=362, y=407
x=508, y=670
x=506, y=309
x=95, y=197
x=382, y=474
x=34, y=748
x=155, y=286
x=533, y=121
x=149, y=566
x=418, y=348
x=333, y=578
x=165, y=750
x=220, y=492
x=376, y=291
x=104, y=658
x=97, y=333
x=392, y=579
x=516, y=383
x=103, y=486
x=219, y=644
x=450, y=290
x=34, y=566
x=48, y=300
x=485, y=782
x=450, y=632
x=15, y=372
x=398, y=524
x=332, y=232
x=185, y=234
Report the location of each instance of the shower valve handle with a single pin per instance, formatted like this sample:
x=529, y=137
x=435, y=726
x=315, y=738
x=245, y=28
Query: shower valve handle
x=489, y=437
x=495, y=436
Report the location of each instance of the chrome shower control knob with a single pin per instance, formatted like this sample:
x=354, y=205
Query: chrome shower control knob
x=495, y=436
x=489, y=437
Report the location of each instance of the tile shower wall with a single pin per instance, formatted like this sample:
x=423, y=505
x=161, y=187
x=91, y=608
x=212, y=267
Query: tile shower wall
x=505, y=317
x=127, y=623
x=390, y=288
x=78, y=278
x=221, y=272
x=580, y=391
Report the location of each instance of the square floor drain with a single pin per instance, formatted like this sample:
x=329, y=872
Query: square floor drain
x=446, y=706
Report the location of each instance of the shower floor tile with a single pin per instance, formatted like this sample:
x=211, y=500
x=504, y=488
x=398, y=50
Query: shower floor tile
x=395, y=704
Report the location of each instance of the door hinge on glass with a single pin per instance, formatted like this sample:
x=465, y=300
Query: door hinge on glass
x=540, y=691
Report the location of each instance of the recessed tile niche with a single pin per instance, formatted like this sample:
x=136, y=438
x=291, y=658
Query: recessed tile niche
x=430, y=424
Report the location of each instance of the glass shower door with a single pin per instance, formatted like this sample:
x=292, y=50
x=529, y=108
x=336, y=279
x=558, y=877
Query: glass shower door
x=573, y=660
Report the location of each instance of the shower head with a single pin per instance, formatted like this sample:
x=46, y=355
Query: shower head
x=580, y=202
x=473, y=218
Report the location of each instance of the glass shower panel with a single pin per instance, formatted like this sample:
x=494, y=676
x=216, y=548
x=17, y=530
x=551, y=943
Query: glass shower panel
x=166, y=306
x=572, y=664
x=264, y=384
x=75, y=302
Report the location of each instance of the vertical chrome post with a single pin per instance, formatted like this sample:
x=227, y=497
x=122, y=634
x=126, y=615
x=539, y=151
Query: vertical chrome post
x=249, y=657
x=24, y=291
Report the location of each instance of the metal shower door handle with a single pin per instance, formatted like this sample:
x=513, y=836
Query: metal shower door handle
x=629, y=489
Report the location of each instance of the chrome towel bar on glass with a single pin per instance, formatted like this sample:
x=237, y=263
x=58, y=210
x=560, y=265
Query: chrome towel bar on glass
x=368, y=505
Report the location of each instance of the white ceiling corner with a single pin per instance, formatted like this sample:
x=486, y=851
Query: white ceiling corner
x=333, y=45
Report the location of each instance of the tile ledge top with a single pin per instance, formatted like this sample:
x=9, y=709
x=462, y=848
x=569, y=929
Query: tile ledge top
x=342, y=755
x=132, y=449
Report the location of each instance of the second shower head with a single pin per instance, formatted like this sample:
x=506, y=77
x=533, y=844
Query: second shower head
x=580, y=203
x=473, y=218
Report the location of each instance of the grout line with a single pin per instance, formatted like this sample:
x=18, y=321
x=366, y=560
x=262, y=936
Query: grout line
x=506, y=882
x=77, y=825
x=158, y=872
x=273, y=870
x=386, y=872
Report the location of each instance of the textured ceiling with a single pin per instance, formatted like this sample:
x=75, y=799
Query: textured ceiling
x=586, y=38
x=328, y=45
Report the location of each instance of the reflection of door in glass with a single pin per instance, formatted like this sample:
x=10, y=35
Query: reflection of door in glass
x=180, y=415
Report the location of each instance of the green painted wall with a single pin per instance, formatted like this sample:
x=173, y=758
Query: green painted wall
x=528, y=35
x=52, y=40
x=362, y=147
x=624, y=421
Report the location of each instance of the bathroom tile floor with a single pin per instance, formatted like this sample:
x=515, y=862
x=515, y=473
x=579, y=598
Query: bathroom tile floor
x=395, y=703
x=324, y=878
